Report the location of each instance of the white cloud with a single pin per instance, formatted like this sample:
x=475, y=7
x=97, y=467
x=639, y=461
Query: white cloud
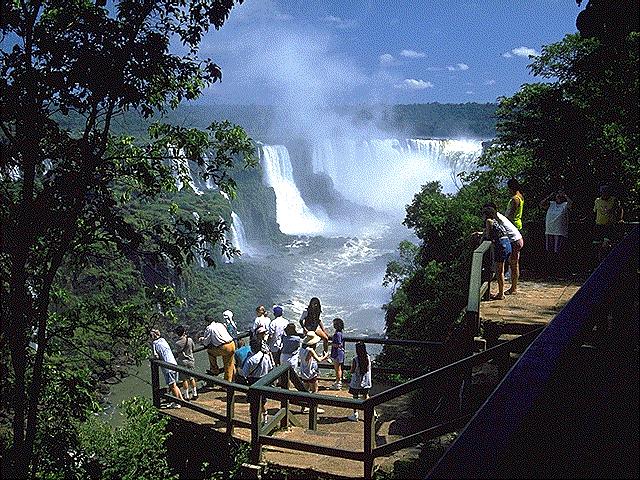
x=458, y=66
x=412, y=54
x=413, y=84
x=490, y=82
x=521, y=52
x=469, y=92
x=339, y=22
x=386, y=59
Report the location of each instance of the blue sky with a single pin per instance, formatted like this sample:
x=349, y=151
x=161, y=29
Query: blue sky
x=327, y=52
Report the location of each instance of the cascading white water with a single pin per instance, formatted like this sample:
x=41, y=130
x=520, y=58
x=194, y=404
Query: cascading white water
x=292, y=214
x=182, y=171
x=199, y=257
x=238, y=237
x=386, y=173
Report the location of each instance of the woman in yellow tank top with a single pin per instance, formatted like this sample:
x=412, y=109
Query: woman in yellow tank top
x=516, y=203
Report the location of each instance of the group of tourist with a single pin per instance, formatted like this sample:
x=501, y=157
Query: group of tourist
x=275, y=341
x=272, y=341
x=504, y=231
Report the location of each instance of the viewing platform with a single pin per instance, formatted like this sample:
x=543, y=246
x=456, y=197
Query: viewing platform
x=396, y=420
x=333, y=430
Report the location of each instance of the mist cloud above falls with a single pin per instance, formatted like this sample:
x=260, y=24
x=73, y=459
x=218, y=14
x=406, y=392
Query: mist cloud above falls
x=268, y=59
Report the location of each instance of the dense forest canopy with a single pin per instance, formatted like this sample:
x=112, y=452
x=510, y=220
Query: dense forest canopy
x=271, y=124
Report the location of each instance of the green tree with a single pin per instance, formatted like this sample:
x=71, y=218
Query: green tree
x=70, y=69
x=577, y=129
x=580, y=129
x=134, y=450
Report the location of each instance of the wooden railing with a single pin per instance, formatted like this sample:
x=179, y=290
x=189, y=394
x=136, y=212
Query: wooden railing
x=231, y=389
x=611, y=289
x=282, y=376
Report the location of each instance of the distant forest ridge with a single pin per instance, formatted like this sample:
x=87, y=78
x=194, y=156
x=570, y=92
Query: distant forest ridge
x=271, y=123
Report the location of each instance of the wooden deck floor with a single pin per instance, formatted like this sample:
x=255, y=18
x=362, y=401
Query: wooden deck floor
x=535, y=304
x=333, y=430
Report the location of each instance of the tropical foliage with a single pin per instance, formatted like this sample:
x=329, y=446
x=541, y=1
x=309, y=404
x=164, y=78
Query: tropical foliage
x=578, y=129
x=76, y=253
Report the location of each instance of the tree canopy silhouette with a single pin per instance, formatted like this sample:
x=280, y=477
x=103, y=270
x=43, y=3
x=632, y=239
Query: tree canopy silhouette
x=70, y=69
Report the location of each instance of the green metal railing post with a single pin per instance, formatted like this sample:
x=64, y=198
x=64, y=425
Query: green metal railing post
x=369, y=439
x=231, y=400
x=255, y=406
x=155, y=383
x=284, y=403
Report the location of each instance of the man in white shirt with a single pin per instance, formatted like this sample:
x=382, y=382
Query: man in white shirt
x=276, y=331
x=219, y=343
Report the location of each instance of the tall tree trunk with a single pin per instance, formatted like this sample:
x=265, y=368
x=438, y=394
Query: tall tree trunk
x=18, y=311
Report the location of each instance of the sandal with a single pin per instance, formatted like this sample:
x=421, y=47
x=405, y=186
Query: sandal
x=510, y=292
x=496, y=297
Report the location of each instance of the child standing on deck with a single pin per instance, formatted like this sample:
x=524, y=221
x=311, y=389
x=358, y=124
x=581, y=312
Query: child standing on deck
x=309, y=369
x=360, y=377
x=337, y=352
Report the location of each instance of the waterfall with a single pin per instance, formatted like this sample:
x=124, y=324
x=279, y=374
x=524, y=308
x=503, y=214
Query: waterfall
x=182, y=171
x=386, y=173
x=238, y=237
x=199, y=258
x=292, y=214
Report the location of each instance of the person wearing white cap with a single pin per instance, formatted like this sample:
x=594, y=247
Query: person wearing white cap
x=231, y=325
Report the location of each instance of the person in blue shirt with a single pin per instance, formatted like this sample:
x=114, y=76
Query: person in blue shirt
x=241, y=355
x=291, y=342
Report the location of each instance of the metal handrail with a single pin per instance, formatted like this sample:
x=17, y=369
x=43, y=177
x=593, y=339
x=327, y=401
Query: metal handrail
x=476, y=286
x=476, y=452
x=453, y=368
x=284, y=373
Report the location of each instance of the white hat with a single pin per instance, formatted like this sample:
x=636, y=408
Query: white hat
x=228, y=314
x=310, y=339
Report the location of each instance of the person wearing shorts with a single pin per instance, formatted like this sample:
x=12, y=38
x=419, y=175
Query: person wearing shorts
x=337, y=352
x=162, y=351
x=309, y=369
x=360, y=383
x=184, y=356
x=517, y=242
x=496, y=232
x=311, y=322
